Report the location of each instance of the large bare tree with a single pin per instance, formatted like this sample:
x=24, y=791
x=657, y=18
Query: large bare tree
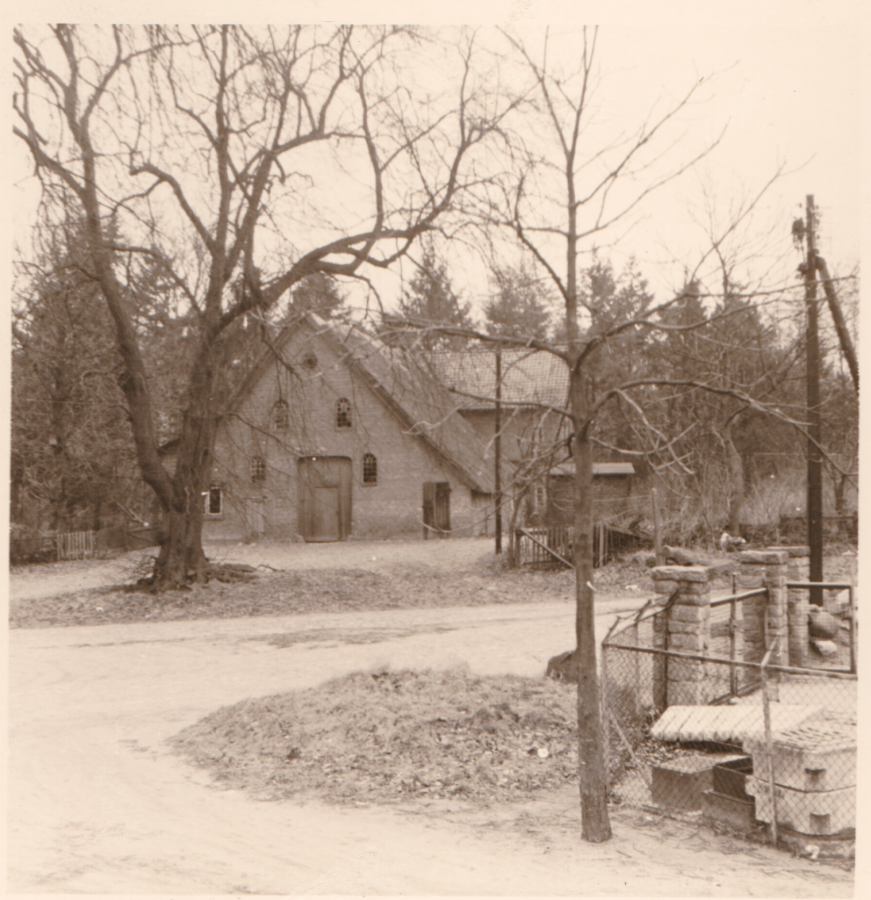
x=564, y=194
x=240, y=162
x=560, y=192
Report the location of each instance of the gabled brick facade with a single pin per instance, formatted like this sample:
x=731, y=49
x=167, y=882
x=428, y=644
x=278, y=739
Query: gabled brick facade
x=336, y=440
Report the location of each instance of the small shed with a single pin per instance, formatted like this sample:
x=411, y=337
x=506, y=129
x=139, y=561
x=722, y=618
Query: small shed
x=612, y=491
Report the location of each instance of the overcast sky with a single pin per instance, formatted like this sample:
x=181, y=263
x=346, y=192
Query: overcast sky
x=787, y=83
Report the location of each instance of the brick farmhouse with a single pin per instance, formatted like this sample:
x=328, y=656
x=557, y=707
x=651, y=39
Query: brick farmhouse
x=335, y=435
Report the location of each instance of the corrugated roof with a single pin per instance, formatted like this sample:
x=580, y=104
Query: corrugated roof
x=728, y=724
x=599, y=468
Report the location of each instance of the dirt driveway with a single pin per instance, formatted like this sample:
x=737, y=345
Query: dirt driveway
x=97, y=805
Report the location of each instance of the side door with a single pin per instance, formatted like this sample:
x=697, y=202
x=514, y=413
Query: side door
x=436, y=508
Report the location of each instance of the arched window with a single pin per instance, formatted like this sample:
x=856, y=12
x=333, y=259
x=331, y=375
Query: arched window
x=258, y=469
x=281, y=416
x=343, y=413
x=370, y=469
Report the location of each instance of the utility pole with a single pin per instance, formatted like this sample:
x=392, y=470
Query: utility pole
x=814, y=456
x=497, y=443
x=847, y=347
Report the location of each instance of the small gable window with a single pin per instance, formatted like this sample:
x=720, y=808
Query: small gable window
x=370, y=469
x=343, y=413
x=258, y=469
x=281, y=416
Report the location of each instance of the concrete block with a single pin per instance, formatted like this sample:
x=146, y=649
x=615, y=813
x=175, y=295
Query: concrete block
x=815, y=756
x=691, y=642
x=693, y=599
x=700, y=574
x=763, y=557
x=695, y=587
x=682, y=612
x=721, y=809
x=687, y=693
x=795, y=552
x=685, y=670
x=810, y=812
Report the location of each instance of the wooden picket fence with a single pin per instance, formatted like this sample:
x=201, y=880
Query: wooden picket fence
x=88, y=544
x=75, y=545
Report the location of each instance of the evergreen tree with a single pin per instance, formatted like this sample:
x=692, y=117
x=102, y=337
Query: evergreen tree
x=320, y=294
x=431, y=300
x=520, y=305
x=69, y=437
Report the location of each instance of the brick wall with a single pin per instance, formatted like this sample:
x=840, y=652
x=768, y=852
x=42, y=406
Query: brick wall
x=390, y=508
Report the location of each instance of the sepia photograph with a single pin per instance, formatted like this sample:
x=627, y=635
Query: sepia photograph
x=433, y=446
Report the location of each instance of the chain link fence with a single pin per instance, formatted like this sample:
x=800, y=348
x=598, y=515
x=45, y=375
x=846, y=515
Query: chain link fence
x=757, y=747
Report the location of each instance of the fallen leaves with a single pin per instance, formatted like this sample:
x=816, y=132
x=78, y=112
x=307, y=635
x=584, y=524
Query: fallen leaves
x=386, y=736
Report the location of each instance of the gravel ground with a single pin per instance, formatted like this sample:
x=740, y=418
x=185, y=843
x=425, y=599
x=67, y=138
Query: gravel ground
x=301, y=578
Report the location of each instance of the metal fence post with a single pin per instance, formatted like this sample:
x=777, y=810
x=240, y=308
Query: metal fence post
x=852, y=630
x=604, y=707
x=733, y=643
x=769, y=743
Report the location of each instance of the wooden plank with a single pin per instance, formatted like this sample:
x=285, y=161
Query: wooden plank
x=730, y=724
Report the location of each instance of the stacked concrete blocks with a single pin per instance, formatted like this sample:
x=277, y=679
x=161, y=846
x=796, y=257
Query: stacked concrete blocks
x=814, y=779
x=765, y=616
x=685, y=627
x=797, y=603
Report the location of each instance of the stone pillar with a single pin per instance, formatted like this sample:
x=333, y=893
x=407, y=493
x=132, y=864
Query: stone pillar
x=797, y=604
x=686, y=628
x=764, y=569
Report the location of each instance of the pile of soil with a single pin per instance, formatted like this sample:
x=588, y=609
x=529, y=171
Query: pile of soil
x=387, y=736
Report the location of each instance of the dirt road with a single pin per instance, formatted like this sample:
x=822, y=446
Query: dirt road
x=97, y=805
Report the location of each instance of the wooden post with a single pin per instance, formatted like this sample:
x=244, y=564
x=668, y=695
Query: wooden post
x=815, y=430
x=657, y=529
x=497, y=445
x=852, y=631
x=846, y=343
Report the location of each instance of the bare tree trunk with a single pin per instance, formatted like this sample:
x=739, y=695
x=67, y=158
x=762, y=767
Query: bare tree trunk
x=181, y=554
x=736, y=483
x=595, y=824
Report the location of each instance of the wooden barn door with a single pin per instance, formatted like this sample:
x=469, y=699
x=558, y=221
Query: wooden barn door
x=325, y=498
x=436, y=508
